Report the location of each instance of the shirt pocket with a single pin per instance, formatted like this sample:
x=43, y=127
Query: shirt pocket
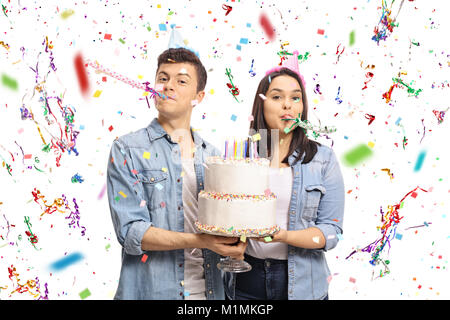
x=313, y=194
x=154, y=183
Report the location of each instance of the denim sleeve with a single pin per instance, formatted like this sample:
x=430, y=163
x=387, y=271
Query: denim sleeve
x=130, y=220
x=330, y=213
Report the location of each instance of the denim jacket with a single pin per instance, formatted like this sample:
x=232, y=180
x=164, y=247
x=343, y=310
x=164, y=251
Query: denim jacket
x=144, y=184
x=317, y=200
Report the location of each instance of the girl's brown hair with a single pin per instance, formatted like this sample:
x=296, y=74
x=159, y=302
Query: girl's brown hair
x=300, y=141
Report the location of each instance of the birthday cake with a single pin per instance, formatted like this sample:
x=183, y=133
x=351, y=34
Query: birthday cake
x=236, y=199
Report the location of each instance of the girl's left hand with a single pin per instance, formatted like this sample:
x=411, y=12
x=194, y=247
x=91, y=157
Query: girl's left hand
x=280, y=236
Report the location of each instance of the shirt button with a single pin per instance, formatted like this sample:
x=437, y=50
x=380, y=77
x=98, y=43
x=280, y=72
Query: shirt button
x=210, y=291
x=292, y=212
x=180, y=265
x=207, y=265
x=179, y=208
x=178, y=180
x=181, y=293
x=152, y=179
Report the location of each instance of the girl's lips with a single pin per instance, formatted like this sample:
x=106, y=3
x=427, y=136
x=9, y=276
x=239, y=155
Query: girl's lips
x=286, y=116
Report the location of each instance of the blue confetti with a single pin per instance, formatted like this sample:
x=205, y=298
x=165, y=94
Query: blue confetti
x=66, y=261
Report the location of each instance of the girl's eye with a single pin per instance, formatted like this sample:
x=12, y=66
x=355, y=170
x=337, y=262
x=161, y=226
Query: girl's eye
x=296, y=99
x=276, y=97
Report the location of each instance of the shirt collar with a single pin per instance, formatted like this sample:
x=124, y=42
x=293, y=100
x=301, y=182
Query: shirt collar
x=156, y=131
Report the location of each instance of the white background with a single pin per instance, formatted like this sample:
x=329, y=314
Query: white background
x=418, y=262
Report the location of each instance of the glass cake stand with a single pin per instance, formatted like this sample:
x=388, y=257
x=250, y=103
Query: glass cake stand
x=229, y=264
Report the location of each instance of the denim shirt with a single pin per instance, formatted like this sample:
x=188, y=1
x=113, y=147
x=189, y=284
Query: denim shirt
x=317, y=200
x=146, y=166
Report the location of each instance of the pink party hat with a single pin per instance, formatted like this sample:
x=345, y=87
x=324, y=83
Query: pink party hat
x=291, y=63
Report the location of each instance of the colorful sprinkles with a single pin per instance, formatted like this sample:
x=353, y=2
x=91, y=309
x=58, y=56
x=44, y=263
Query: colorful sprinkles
x=237, y=232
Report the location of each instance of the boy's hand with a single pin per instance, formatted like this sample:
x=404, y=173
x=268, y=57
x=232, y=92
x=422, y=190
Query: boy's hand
x=225, y=246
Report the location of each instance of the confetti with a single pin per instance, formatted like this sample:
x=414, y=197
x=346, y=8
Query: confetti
x=419, y=161
x=84, y=294
x=122, y=194
x=390, y=221
x=97, y=93
x=67, y=13
x=9, y=82
x=356, y=155
x=267, y=26
x=227, y=9
x=65, y=262
x=146, y=155
x=80, y=69
x=351, y=41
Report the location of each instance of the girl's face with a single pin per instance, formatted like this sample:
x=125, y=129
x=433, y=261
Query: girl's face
x=284, y=101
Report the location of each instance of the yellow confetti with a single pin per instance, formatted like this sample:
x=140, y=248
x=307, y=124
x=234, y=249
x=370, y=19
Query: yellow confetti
x=122, y=194
x=146, y=155
x=164, y=169
x=67, y=13
x=243, y=238
x=211, y=91
x=256, y=137
x=371, y=144
x=97, y=93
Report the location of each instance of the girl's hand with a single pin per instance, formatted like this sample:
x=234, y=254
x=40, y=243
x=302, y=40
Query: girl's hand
x=280, y=236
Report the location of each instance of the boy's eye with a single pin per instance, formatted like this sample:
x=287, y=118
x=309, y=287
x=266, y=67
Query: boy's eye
x=162, y=79
x=183, y=82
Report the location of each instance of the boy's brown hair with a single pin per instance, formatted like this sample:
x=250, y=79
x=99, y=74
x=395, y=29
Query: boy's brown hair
x=182, y=55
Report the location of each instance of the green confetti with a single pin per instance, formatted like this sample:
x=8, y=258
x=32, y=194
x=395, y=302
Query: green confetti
x=357, y=155
x=352, y=38
x=9, y=82
x=85, y=293
x=268, y=239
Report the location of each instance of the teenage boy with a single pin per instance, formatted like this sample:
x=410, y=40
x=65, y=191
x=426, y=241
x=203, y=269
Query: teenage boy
x=153, y=178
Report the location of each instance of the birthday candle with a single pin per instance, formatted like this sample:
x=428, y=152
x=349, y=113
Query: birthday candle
x=226, y=149
x=242, y=153
x=245, y=148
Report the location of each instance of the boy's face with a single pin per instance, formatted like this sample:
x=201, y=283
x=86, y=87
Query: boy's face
x=179, y=82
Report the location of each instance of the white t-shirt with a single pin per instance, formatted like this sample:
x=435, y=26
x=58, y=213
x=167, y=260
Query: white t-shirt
x=280, y=183
x=194, y=275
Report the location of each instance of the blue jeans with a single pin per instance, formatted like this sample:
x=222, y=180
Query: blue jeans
x=268, y=280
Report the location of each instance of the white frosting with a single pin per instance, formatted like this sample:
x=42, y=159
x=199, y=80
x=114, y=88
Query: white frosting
x=235, y=197
x=236, y=213
x=242, y=176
